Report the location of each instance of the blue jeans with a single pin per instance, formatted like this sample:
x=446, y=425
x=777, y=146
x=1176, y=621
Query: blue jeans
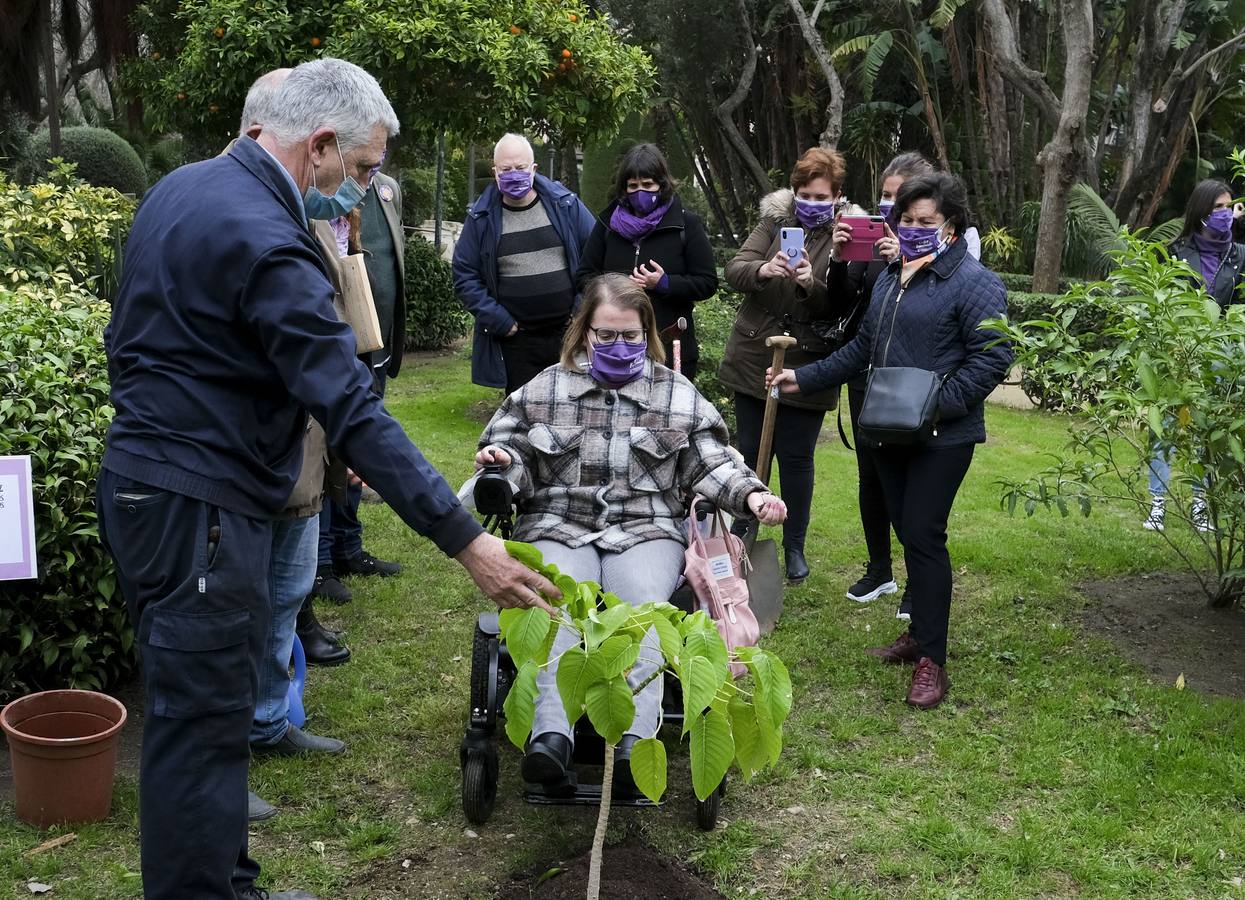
x=1161, y=474
x=291, y=573
x=341, y=532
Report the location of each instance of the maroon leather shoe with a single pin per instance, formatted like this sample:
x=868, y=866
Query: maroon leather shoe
x=929, y=684
x=904, y=650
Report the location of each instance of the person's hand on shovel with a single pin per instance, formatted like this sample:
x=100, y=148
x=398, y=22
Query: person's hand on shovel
x=784, y=379
x=768, y=508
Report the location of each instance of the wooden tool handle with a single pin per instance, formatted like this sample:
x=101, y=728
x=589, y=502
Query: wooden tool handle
x=779, y=343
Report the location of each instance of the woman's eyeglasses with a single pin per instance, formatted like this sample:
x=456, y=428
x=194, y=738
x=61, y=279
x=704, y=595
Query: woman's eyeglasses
x=610, y=335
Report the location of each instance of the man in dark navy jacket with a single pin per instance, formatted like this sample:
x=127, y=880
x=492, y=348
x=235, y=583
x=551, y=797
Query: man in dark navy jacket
x=223, y=338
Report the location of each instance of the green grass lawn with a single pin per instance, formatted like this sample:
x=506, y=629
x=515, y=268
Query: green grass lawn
x=1054, y=770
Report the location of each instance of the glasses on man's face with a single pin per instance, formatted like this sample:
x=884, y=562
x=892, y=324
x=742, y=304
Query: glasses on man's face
x=610, y=335
x=519, y=168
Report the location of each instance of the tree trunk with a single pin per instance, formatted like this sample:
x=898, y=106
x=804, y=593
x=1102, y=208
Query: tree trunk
x=703, y=177
x=1063, y=159
x=726, y=109
x=833, y=131
x=51, y=83
x=603, y=821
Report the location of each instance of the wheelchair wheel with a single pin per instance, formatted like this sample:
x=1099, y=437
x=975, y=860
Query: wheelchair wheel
x=479, y=788
x=707, y=810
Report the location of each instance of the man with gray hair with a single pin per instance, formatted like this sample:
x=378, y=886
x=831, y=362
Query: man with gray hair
x=514, y=267
x=223, y=339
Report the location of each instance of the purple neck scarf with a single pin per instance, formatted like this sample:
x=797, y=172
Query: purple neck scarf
x=628, y=225
x=1211, y=248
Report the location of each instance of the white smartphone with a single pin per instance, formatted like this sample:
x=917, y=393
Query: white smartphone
x=791, y=242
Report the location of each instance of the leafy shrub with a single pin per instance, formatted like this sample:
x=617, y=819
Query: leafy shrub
x=714, y=320
x=1049, y=388
x=1147, y=362
x=62, y=230
x=15, y=156
x=68, y=628
x=104, y=159
x=434, y=317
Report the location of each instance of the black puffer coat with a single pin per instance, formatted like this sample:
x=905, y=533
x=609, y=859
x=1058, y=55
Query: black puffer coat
x=935, y=327
x=1228, y=279
x=680, y=245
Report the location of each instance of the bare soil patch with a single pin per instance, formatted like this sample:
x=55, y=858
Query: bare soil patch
x=629, y=871
x=1162, y=621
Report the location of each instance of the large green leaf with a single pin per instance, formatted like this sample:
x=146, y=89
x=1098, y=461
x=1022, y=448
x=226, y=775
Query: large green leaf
x=671, y=643
x=751, y=753
x=771, y=699
x=615, y=656
x=525, y=631
x=611, y=709
x=603, y=623
x=526, y=554
x=575, y=674
x=520, y=705
x=708, y=644
x=648, y=767
x=712, y=750
x=700, y=679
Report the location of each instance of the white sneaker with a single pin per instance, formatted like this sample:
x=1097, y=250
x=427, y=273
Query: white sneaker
x=1154, y=521
x=1200, y=516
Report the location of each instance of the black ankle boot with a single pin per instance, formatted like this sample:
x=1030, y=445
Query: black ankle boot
x=318, y=645
x=797, y=567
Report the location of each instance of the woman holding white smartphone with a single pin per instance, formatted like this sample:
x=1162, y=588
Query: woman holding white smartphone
x=782, y=295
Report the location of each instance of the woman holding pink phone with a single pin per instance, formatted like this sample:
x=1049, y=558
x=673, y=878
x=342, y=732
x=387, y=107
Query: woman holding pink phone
x=785, y=296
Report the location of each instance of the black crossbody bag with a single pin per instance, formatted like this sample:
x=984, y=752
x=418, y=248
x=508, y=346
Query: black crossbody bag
x=901, y=402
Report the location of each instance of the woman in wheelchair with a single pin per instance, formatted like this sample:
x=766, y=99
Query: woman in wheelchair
x=606, y=449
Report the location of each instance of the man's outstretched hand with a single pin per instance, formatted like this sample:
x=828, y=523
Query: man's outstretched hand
x=505, y=580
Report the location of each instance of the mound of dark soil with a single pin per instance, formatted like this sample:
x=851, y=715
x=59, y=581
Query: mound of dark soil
x=1162, y=621
x=630, y=871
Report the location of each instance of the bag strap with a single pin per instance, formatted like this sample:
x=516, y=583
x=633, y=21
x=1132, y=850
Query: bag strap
x=842, y=433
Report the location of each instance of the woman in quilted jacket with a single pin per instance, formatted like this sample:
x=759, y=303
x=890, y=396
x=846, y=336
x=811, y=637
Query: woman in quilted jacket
x=926, y=313
x=606, y=448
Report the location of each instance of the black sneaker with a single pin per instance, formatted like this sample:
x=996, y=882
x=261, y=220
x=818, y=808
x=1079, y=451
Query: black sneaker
x=876, y=581
x=365, y=564
x=904, y=613
x=329, y=586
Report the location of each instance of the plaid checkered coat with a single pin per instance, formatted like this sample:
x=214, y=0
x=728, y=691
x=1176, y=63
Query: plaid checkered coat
x=615, y=468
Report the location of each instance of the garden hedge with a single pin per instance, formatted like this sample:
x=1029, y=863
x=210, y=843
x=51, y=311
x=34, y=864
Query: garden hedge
x=434, y=317
x=104, y=158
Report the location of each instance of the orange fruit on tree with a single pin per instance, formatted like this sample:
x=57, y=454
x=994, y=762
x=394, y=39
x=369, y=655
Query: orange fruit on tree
x=566, y=54
x=219, y=32
x=156, y=55
x=316, y=42
x=515, y=29
x=574, y=18
x=213, y=108
x=181, y=96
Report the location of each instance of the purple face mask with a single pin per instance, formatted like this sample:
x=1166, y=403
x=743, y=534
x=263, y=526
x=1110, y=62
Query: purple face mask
x=643, y=202
x=616, y=364
x=1219, y=221
x=915, y=241
x=516, y=183
x=885, y=207
x=814, y=213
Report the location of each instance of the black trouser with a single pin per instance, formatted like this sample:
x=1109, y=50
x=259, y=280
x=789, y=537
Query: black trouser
x=874, y=518
x=529, y=351
x=795, y=439
x=341, y=532
x=920, y=486
x=200, y=614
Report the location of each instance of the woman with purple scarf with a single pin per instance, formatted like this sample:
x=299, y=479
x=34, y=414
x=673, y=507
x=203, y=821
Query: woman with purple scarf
x=646, y=234
x=1207, y=247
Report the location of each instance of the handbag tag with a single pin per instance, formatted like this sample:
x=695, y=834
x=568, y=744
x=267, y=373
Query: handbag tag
x=720, y=566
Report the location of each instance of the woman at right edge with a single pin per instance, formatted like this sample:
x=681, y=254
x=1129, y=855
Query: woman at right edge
x=927, y=311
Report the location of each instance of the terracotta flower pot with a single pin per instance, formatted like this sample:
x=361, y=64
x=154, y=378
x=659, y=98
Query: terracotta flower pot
x=64, y=750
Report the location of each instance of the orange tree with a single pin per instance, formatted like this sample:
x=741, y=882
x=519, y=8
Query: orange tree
x=475, y=67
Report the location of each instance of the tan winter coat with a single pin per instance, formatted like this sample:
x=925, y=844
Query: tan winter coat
x=780, y=306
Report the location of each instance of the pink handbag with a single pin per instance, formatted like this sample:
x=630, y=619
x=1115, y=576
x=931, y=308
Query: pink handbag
x=716, y=567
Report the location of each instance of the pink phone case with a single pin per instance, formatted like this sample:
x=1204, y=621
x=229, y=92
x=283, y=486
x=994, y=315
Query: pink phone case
x=866, y=230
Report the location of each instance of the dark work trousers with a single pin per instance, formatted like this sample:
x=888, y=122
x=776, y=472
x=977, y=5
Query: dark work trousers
x=200, y=613
x=795, y=439
x=341, y=532
x=874, y=519
x=529, y=351
x=920, y=486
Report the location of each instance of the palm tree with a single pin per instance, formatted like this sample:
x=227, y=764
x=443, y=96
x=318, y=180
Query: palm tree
x=1103, y=228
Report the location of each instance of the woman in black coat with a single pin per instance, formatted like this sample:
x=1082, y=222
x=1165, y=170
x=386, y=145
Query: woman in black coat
x=646, y=234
